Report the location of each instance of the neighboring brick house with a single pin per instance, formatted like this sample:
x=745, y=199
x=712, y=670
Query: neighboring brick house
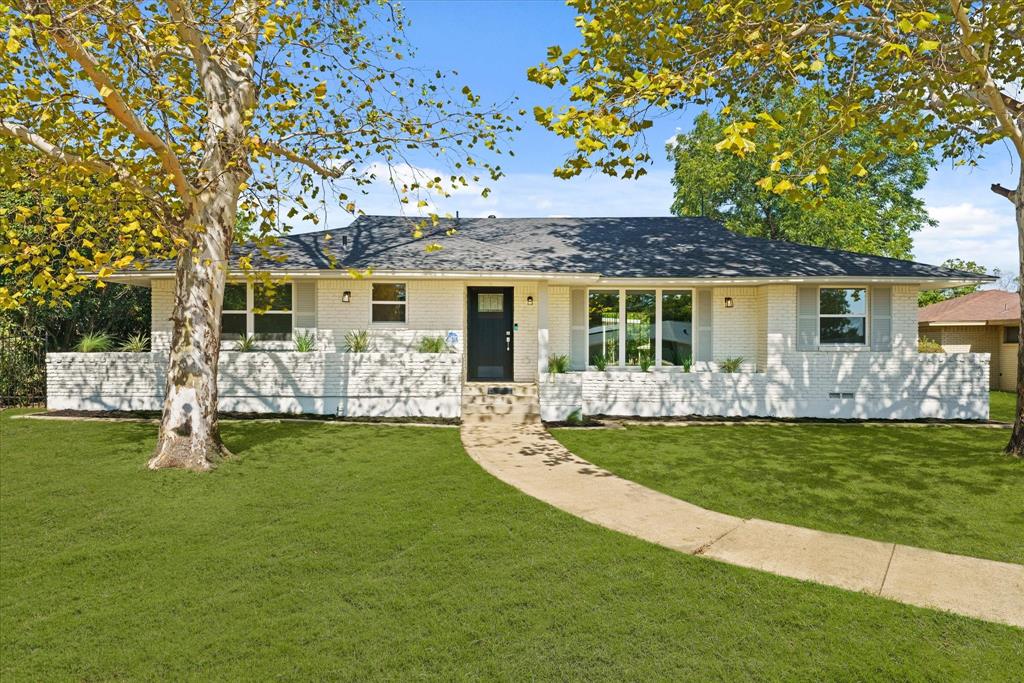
x=987, y=321
x=654, y=316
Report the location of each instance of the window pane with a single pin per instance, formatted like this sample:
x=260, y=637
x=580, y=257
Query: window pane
x=603, y=339
x=275, y=326
x=234, y=297
x=1010, y=335
x=490, y=303
x=676, y=327
x=388, y=291
x=842, y=330
x=639, y=326
x=232, y=325
x=843, y=302
x=389, y=313
x=277, y=298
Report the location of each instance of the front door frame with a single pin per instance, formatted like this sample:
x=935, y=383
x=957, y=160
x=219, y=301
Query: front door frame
x=472, y=337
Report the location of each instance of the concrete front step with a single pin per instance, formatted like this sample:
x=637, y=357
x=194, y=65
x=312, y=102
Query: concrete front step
x=526, y=418
x=498, y=389
x=500, y=402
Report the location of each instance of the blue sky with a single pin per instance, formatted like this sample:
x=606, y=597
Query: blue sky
x=491, y=44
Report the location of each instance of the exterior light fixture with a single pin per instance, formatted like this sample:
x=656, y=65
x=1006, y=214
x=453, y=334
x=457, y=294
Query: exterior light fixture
x=346, y=296
x=728, y=302
x=529, y=301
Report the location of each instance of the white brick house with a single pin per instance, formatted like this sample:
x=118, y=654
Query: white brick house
x=649, y=313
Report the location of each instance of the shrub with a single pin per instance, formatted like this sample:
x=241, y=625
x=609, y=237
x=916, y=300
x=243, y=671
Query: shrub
x=558, y=363
x=94, y=342
x=136, y=343
x=687, y=363
x=246, y=343
x=731, y=364
x=305, y=342
x=432, y=345
x=601, y=362
x=357, y=341
x=644, y=360
x=575, y=417
x=926, y=345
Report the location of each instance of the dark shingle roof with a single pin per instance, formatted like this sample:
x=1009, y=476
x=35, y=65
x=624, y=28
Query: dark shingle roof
x=611, y=247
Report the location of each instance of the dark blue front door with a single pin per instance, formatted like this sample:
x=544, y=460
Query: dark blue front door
x=489, y=339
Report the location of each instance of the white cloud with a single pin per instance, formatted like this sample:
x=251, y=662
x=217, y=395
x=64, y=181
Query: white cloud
x=971, y=232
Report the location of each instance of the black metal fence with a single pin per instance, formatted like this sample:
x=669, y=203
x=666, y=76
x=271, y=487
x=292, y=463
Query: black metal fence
x=22, y=366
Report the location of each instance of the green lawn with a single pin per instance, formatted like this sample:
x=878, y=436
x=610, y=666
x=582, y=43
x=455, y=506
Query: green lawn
x=326, y=551
x=1002, y=405
x=947, y=488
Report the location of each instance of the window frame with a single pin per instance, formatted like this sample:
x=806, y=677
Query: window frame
x=250, y=316
x=1006, y=330
x=657, y=337
x=404, y=304
x=867, y=319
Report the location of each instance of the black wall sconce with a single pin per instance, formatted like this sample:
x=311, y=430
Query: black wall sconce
x=728, y=302
x=346, y=296
x=529, y=301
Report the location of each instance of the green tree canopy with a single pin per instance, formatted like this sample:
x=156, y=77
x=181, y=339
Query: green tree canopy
x=944, y=75
x=874, y=213
x=934, y=296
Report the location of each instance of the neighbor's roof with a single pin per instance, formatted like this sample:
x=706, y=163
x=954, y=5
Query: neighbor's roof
x=984, y=306
x=610, y=247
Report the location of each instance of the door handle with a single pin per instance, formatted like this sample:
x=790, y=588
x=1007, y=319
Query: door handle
x=508, y=341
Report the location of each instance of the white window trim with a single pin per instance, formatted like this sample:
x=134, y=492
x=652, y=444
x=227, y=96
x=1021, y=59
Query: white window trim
x=250, y=317
x=405, y=304
x=656, y=365
x=846, y=346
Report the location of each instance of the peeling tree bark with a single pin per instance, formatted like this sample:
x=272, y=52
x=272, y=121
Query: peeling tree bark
x=189, y=430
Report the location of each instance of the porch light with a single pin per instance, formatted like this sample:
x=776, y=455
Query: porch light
x=346, y=296
x=529, y=301
x=728, y=302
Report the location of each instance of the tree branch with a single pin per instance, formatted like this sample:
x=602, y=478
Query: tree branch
x=275, y=148
x=120, y=110
x=185, y=26
x=1003, y=192
x=41, y=144
x=988, y=85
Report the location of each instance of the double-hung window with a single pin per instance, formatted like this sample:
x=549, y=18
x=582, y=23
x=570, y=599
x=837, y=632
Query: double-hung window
x=387, y=302
x=257, y=310
x=843, y=315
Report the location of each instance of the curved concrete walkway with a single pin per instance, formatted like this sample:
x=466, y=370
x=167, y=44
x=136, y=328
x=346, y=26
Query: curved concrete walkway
x=529, y=458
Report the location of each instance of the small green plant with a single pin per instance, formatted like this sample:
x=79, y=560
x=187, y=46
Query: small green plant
x=644, y=360
x=558, y=363
x=687, y=363
x=575, y=417
x=137, y=343
x=432, y=345
x=926, y=345
x=731, y=364
x=601, y=362
x=305, y=342
x=94, y=342
x=357, y=341
x=246, y=343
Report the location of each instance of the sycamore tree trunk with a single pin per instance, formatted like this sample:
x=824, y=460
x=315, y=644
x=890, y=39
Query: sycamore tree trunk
x=189, y=431
x=1016, y=445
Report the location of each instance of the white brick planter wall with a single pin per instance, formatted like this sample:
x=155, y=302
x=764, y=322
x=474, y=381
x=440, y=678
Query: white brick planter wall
x=350, y=384
x=839, y=385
